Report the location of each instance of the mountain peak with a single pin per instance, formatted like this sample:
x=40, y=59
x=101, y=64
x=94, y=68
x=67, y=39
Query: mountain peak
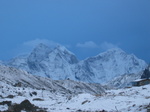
x=64, y=53
x=116, y=49
x=63, y=49
x=40, y=52
x=113, y=51
x=41, y=46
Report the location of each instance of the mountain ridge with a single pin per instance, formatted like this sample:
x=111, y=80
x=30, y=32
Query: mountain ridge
x=20, y=78
x=60, y=64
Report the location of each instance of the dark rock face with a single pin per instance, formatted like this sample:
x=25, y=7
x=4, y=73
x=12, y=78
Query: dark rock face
x=146, y=73
x=6, y=103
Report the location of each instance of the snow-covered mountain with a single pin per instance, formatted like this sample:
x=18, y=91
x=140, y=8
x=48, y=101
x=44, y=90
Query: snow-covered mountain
x=108, y=65
x=59, y=64
x=43, y=61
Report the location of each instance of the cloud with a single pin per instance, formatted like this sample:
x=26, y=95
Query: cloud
x=102, y=46
x=88, y=44
x=107, y=45
x=35, y=42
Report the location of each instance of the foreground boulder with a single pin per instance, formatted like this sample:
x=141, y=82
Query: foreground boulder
x=26, y=106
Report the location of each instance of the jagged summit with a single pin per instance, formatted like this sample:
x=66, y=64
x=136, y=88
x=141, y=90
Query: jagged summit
x=63, y=49
x=40, y=52
x=64, y=54
x=41, y=45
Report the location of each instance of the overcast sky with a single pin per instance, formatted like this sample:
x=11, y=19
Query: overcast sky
x=85, y=27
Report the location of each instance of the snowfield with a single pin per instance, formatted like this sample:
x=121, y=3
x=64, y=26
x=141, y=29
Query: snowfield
x=133, y=99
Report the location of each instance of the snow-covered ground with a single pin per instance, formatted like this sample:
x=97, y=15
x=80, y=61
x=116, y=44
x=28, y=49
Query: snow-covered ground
x=133, y=99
